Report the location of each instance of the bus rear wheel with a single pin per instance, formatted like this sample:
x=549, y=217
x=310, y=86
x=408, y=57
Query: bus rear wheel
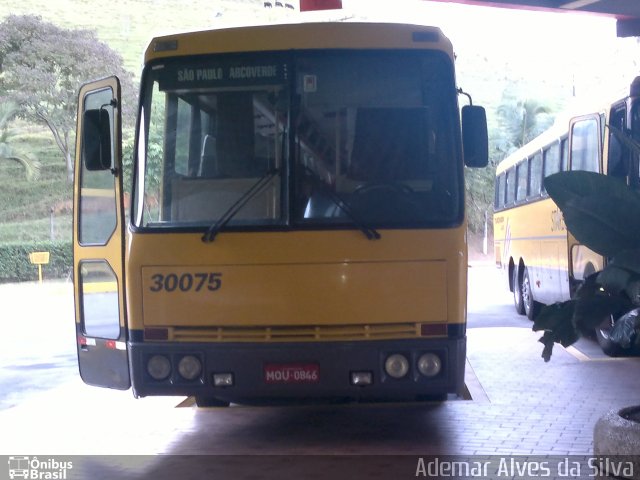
x=531, y=307
x=517, y=293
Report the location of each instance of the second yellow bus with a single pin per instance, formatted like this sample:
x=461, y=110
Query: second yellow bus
x=542, y=262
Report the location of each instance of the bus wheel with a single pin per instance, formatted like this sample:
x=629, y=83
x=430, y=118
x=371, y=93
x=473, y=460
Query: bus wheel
x=602, y=335
x=210, y=402
x=517, y=293
x=531, y=307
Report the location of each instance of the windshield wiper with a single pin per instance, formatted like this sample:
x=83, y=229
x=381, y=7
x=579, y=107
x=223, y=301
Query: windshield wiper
x=370, y=232
x=256, y=188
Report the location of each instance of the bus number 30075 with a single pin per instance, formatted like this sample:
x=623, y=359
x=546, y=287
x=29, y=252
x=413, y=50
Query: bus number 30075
x=186, y=282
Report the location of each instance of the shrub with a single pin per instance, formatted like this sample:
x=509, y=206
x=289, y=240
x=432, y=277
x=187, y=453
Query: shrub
x=16, y=267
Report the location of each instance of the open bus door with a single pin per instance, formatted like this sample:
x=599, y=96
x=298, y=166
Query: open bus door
x=98, y=242
x=585, y=153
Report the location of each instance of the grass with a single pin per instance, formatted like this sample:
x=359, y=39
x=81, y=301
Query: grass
x=126, y=26
x=36, y=230
x=25, y=205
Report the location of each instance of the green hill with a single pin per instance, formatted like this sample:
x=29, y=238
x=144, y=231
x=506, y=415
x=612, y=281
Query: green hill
x=127, y=26
x=41, y=209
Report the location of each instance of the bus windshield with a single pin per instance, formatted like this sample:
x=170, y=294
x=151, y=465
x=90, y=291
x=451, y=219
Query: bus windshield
x=343, y=138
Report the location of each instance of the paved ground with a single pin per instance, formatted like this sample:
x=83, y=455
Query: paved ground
x=520, y=406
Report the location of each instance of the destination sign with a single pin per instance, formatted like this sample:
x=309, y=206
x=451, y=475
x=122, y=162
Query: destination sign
x=211, y=75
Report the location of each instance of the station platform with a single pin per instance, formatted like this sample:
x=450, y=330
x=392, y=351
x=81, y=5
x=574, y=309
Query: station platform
x=517, y=405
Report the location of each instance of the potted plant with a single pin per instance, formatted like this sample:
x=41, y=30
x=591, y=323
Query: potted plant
x=603, y=213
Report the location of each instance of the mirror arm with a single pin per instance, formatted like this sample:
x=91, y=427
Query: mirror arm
x=462, y=92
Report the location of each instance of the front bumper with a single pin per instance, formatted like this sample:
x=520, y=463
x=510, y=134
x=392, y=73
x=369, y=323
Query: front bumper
x=335, y=362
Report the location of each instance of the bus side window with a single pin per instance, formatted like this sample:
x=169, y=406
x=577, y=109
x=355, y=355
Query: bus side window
x=535, y=175
x=500, y=192
x=564, y=154
x=505, y=186
x=585, y=154
x=183, y=137
x=551, y=161
x=618, y=155
x=511, y=186
x=521, y=173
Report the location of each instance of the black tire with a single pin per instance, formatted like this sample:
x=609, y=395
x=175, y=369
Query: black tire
x=602, y=336
x=210, y=402
x=517, y=293
x=531, y=307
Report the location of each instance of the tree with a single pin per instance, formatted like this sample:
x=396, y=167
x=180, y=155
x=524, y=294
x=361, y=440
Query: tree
x=8, y=110
x=518, y=122
x=42, y=67
x=479, y=195
x=522, y=120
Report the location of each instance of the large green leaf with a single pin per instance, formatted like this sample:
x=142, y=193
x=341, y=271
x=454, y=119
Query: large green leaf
x=551, y=316
x=548, y=340
x=614, y=279
x=628, y=259
x=556, y=321
x=565, y=186
x=591, y=311
x=592, y=305
x=605, y=223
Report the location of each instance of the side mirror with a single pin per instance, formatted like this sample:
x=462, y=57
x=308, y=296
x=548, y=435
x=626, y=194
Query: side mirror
x=96, y=140
x=475, y=139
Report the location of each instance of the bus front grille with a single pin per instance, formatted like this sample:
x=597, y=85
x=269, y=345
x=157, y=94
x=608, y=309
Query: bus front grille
x=295, y=333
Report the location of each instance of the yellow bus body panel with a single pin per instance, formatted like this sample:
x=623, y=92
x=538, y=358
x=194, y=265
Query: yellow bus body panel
x=334, y=293
x=521, y=232
x=314, y=278
x=535, y=235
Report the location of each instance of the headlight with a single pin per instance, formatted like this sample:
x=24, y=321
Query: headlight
x=189, y=367
x=396, y=365
x=429, y=364
x=159, y=367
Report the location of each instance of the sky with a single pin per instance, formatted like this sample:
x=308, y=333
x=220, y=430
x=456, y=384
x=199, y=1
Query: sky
x=550, y=54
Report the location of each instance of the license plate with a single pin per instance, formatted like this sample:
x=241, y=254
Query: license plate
x=291, y=373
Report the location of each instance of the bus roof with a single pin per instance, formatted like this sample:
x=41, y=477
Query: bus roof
x=548, y=137
x=557, y=131
x=560, y=128
x=299, y=36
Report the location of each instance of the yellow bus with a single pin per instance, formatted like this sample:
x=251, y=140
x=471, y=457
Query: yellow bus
x=297, y=223
x=542, y=262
